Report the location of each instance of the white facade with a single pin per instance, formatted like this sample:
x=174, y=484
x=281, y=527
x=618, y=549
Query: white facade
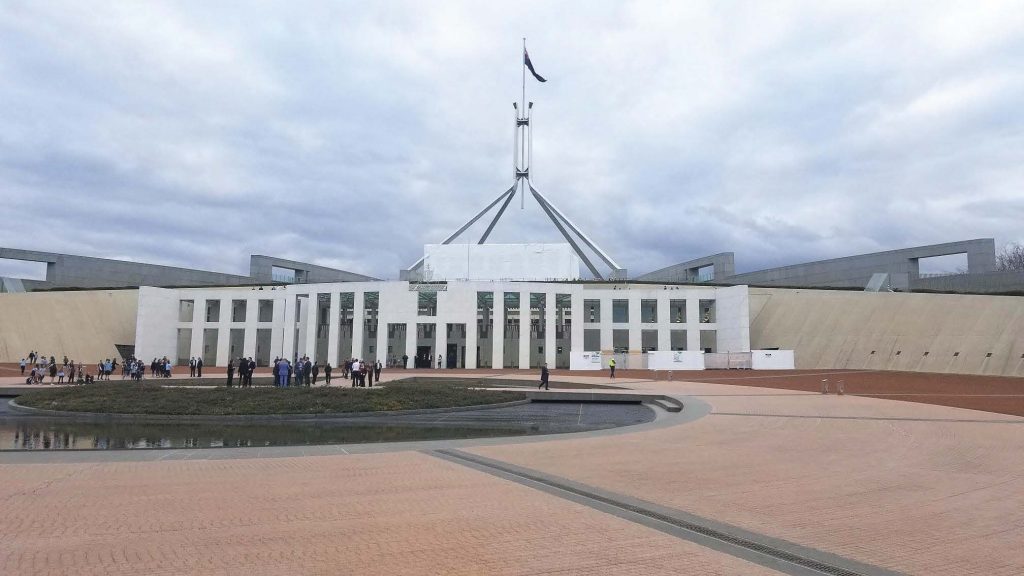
x=536, y=262
x=459, y=320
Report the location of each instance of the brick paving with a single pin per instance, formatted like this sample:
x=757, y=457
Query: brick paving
x=922, y=489
x=403, y=513
x=910, y=487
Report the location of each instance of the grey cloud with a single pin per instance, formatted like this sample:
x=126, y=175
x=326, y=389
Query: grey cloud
x=349, y=135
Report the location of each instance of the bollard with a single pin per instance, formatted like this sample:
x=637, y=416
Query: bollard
x=824, y=386
x=669, y=375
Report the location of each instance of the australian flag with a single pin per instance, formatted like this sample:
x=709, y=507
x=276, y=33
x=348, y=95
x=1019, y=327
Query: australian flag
x=526, y=60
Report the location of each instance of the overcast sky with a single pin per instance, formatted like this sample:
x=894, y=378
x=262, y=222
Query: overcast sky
x=351, y=133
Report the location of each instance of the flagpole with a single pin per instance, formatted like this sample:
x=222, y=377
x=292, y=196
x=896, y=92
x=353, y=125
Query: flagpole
x=522, y=140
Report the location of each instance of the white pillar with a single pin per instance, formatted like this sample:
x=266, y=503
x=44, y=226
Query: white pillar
x=333, y=329
x=198, y=326
x=578, y=318
x=252, y=307
x=440, y=343
x=410, y=342
x=524, y=330
x=223, y=333
x=606, y=325
x=498, y=332
x=312, y=305
x=550, y=310
x=277, y=332
x=693, y=321
x=288, y=325
x=471, y=338
x=635, y=321
x=358, y=306
x=664, y=322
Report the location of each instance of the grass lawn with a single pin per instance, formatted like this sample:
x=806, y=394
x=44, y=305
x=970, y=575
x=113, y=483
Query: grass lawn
x=151, y=398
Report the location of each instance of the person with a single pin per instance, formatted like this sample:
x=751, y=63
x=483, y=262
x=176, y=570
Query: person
x=192, y=367
x=199, y=367
x=231, y=373
x=611, y=367
x=439, y=361
x=405, y=361
x=347, y=369
x=543, y=377
x=316, y=372
x=53, y=372
x=22, y=366
x=60, y=376
x=368, y=368
x=355, y=372
x=327, y=373
x=376, y=371
x=249, y=369
x=307, y=371
x=284, y=372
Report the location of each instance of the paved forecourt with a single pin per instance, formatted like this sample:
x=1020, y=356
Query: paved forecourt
x=881, y=484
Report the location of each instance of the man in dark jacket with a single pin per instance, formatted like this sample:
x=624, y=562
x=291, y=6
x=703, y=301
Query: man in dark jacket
x=543, y=377
x=231, y=372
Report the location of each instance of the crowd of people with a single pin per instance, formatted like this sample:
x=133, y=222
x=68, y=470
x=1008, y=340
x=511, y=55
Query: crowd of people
x=302, y=372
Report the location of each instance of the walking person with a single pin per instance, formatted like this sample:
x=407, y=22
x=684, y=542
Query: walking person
x=327, y=373
x=369, y=374
x=376, y=370
x=22, y=366
x=543, y=377
x=316, y=372
x=231, y=373
x=611, y=367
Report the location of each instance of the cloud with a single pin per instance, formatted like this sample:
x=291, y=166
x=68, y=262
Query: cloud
x=194, y=134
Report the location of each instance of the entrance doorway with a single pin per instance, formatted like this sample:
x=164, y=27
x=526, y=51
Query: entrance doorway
x=423, y=356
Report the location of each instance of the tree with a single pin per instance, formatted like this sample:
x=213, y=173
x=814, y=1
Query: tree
x=1011, y=257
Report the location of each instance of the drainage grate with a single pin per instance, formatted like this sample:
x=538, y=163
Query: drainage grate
x=744, y=543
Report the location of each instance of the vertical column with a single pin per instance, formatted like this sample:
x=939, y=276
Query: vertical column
x=471, y=339
x=525, y=315
x=693, y=320
x=252, y=310
x=635, y=321
x=382, y=337
x=312, y=305
x=498, y=334
x=576, y=306
x=277, y=332
x=224, y=333
x=288, y=332
x=410, y=342
x=198, y=327
x=333, y=329
x=664, y=323
x=606, y=325
x=550, y=311
x=440, y=343
x=358, y=322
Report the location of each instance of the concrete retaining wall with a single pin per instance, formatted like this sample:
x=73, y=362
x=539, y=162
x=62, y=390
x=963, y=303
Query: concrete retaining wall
x=951, y=333
x=83, y=325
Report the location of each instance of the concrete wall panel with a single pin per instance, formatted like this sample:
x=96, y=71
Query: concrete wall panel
x=83, y=325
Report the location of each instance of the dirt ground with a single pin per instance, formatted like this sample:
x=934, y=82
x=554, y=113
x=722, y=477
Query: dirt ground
x=1004, y=395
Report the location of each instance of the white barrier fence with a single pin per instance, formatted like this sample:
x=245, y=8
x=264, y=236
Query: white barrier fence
x=686, y=360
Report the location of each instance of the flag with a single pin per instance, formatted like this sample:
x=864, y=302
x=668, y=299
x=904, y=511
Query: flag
x=526, y=60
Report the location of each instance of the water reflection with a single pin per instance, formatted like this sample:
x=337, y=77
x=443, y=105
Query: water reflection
x=46, y=434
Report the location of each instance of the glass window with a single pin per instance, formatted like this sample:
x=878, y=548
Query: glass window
x=677, y=311
x=237, y=311
x=186, y=309
x=427, y=304
x=649, y=311
x=591, y=310
x=620, y=310
x=266, y=311
x=213, y=310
